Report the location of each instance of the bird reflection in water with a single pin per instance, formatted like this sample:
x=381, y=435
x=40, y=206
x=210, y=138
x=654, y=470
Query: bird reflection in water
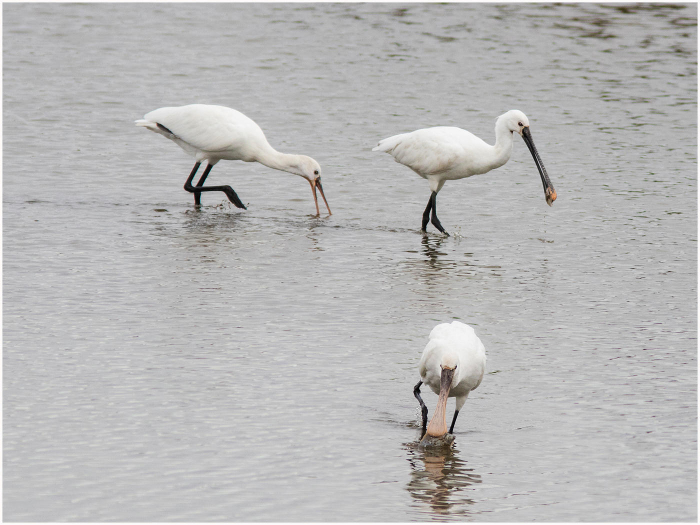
x=441, y=480
x=435, y=263
x=438, y=262
x=432, y=249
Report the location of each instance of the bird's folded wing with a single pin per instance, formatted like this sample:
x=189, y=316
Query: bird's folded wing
x=428, y=151
x=206, y=130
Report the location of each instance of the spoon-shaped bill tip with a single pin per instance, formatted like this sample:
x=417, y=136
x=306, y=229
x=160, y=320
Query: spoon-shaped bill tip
x=551, y=195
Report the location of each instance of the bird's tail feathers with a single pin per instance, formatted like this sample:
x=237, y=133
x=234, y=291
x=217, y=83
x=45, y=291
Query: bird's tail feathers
x=388, y=144
x=155, y=127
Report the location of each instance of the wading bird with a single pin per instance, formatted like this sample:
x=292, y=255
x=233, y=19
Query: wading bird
x=452, y=365
x=214, y=133
x=446, y=153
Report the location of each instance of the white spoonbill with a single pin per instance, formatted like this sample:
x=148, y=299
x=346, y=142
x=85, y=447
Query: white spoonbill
x=215, y=133
x=452, y=365
x=446, y=153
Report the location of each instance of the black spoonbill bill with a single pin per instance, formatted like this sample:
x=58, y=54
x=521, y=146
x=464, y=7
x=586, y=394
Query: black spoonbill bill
x=446, y=153
x=214, y=133
x=452, y=365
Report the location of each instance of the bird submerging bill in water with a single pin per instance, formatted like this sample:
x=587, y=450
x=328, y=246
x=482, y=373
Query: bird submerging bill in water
x=446, y=153
x=452, y=365
x=214, y=133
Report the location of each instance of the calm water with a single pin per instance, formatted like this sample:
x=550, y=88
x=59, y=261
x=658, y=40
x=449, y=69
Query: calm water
x=168, y=364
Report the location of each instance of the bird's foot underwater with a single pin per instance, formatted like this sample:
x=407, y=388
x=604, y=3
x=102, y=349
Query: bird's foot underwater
x=442, y=233
x=319, y=216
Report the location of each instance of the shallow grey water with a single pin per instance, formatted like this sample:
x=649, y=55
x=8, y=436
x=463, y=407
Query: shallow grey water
x=168, y=364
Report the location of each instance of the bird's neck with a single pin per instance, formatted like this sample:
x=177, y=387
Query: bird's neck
x=279, y=161
x=504, y=143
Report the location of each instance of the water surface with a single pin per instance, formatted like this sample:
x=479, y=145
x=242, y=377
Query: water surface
x=163, y=363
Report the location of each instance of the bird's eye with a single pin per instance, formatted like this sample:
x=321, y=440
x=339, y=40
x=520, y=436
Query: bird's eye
x=315, y=172
x=520, y=124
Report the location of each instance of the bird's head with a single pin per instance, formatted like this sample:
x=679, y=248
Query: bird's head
x=307, y=168
x=448, y=367
x=311, y=171
x=515, y=120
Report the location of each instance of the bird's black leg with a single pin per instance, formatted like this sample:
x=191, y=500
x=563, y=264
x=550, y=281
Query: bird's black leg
x=188, y=182
x=228, y=190
x=426, y=214
x=435, y=220
x=454, y=418
x=423, y=408
x=198, y=194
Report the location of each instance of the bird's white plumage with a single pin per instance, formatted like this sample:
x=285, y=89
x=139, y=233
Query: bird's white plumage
x=453, y=344
x=446, y=153
x=210, y=132
x=213, y=133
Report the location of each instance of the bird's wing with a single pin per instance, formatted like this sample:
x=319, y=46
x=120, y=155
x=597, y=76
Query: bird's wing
x=465, y=335
x=429, y=151
x=207, y=128
x=461, y=337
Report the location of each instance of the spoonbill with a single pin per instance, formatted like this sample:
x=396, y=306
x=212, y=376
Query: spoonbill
x=452, y=365
x=447, y=153
x=214, y=133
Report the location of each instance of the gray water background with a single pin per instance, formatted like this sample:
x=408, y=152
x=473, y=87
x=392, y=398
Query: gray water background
x=168, y=364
